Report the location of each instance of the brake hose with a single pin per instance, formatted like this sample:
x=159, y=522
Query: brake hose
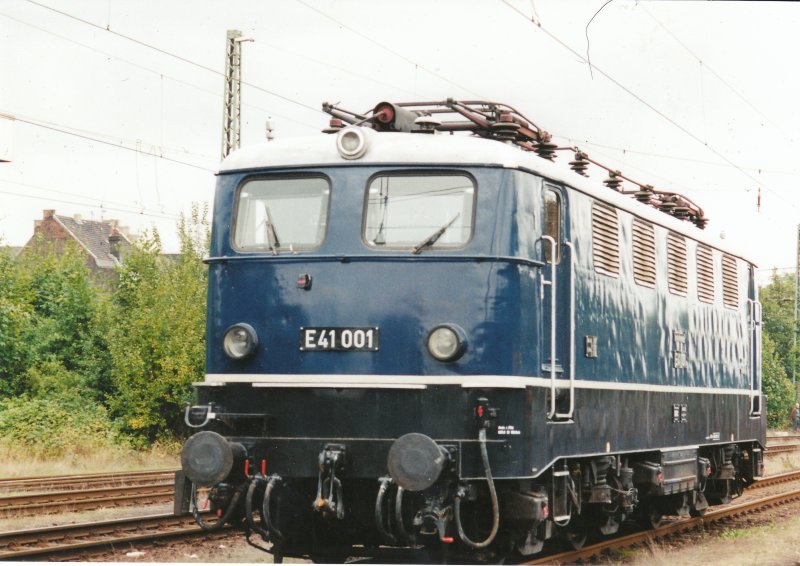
x=276, y=535
x=493, y=494
x=385, y=482
x=248, y=508
x=224, y=518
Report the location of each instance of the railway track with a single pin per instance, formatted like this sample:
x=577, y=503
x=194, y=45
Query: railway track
x=682, y=525
x=84, y=481
x=43, y=495
x=96, y=538
x=84, y=500
x=81, y=541
x=782, y=448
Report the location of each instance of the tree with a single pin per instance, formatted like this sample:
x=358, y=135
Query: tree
x=779, y=389
x=158, y=330
x=777, y=300
x=16, y=315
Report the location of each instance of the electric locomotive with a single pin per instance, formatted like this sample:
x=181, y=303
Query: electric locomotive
x=427, y=340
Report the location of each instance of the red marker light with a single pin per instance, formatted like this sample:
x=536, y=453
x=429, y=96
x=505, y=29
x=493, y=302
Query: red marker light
x=546, y=511
x=264, y=468
x=447, y=540
x=247, y=468
x=479, y=410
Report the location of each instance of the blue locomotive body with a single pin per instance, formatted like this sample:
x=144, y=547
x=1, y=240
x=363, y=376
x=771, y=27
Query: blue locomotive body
x=443, y=341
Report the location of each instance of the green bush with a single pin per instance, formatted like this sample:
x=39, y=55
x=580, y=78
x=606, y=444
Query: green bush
x=157, y=332
x=51, y=427
x=778, y=389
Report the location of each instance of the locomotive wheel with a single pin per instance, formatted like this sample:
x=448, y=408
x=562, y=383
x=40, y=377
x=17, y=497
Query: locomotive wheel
x=574, y=537
x=651, y=516
x=694, y=512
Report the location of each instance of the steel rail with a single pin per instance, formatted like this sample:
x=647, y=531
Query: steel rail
x=59, y=501
x=81, y=481
x=782, y=448
x=51, y=541
x=776, y=479
x=680, y=525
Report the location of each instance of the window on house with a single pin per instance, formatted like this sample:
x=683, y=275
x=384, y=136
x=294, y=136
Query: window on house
x=644, y=253
x=730, y=282
x=705, y=274
x=676, y=265
x=605, y=239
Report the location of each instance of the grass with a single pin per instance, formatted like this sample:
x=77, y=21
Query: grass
x=768, y=545
x=16, y=462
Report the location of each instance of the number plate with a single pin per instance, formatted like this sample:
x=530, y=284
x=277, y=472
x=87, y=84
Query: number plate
x=339, y=339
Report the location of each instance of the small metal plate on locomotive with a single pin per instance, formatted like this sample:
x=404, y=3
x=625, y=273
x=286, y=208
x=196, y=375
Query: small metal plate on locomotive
x=339, y=339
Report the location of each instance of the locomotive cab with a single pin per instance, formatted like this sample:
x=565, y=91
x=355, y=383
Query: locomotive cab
x=419, y=343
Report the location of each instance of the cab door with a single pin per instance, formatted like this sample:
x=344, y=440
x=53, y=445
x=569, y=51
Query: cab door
x=557, y=295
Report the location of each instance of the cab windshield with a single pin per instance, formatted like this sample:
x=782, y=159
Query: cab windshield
x=281, y=214
x=419, y=211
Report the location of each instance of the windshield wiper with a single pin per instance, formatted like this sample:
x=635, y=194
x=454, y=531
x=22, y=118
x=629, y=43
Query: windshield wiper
x=380, y=238
x=272, y=235
x=430, y=240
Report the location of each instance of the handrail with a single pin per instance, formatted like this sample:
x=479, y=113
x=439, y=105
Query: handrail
x=553, y=328
x=754, y=316
x=346, y=258
x=568, y=414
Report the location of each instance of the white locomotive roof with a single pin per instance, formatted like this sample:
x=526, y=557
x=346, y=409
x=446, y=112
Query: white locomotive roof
x=444, y=149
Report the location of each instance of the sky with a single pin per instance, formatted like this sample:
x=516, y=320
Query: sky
x=118, y=103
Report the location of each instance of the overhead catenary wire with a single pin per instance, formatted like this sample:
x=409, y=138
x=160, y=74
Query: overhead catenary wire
x=626, y=150
x=711, y=70
x=260, y=44
x=139, y=150
x=154, y=71
x=386, y=48
x=643, y=101
x=101, y=202
x=173, y=55
x=99, y=206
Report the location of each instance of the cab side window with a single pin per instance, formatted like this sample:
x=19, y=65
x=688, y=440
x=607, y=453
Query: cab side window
x=552, y=224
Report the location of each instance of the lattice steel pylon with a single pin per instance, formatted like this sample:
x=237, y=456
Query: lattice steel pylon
x=232, y=101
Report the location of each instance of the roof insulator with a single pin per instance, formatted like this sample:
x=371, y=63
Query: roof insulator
x=505, y=128
x=426, y=124
x=613, y=181
x=544, y=147
x=644, y=194
x=580, y=164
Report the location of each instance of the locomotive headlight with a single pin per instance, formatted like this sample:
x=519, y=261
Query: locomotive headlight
x=447, y=342
x=240, y=341
x=352, y=142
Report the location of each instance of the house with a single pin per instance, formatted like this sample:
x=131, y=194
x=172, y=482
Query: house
x=104, y=242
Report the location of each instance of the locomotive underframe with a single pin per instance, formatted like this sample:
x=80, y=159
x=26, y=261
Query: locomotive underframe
x=565, y=478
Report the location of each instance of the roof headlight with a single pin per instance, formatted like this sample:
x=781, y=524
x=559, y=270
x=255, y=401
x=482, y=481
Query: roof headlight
x=351, y=142
x=240, y=341
x=447, y=342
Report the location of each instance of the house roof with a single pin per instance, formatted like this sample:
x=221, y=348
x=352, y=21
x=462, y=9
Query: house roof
x=94, y=236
